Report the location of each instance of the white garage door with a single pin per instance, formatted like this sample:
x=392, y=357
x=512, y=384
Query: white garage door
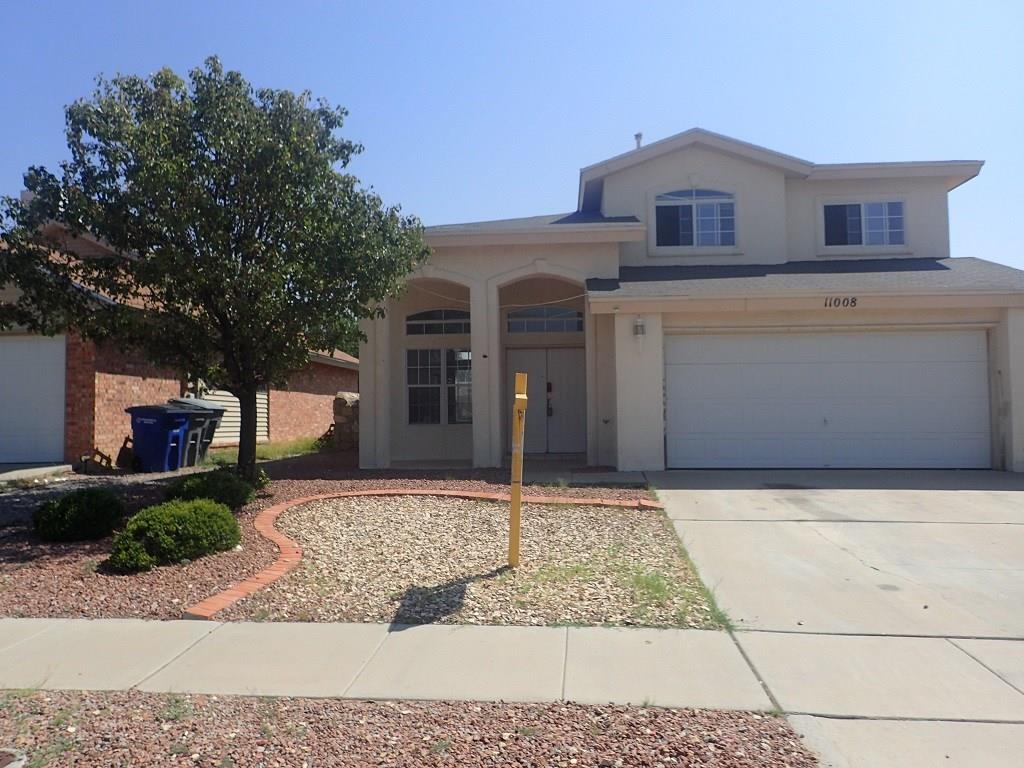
x=31, y=398
x=900, y=399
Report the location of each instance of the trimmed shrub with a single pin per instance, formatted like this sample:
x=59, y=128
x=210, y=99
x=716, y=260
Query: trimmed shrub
x=89, y=513
x=172, y=532
x=224, y=487
x=262, y=478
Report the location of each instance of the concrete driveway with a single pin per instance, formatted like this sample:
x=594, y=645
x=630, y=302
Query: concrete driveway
x=867, y=598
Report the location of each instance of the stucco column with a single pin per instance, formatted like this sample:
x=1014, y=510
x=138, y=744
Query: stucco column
x=1011, y=371
x=639, y=386
x=496, y=366
x=374, y=395
x=590, y=352
x=483, y=375
x=367, y=396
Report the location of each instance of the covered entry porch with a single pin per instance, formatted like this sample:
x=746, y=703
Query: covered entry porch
x=438, y=370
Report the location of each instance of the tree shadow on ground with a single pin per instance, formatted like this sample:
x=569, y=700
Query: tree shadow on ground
x=429, y=605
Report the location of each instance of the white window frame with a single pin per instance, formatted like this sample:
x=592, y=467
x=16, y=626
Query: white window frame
x=863, y=249
x=729, y=196
x=444, y=418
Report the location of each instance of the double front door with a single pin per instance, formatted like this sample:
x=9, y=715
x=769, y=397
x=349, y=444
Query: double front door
x=556, y=416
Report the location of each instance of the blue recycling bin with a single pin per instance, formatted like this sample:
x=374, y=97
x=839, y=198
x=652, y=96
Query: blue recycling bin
x=159, y=436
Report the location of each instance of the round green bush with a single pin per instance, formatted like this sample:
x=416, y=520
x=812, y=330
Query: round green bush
x=172, y=532
x=227, y=488
x=89, y=513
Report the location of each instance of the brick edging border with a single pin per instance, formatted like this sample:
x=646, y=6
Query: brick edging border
x=290, y=553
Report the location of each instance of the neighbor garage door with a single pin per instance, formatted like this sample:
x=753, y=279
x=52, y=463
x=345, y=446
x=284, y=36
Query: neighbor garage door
x=898, y=399
x=31, y=398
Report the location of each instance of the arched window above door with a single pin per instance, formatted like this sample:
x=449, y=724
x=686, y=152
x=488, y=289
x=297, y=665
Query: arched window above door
x=545, y=319
x=440, y=322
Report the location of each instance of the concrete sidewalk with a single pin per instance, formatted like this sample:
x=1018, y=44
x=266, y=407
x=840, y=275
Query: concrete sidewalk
x=912, y=698
x=677, y=668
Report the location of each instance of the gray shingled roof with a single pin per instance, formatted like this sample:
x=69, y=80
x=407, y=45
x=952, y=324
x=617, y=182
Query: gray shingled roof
x=532, y=222
x=846, y=276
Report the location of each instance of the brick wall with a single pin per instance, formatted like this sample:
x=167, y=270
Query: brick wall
x=79, y=397
x=123, y=380
x=101, y=381
x=306, y=407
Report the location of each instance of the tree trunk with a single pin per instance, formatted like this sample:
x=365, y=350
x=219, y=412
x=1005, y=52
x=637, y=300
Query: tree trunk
x=247, y=433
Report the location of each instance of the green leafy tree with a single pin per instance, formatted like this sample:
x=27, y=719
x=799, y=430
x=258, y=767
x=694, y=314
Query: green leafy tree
x=211, y=226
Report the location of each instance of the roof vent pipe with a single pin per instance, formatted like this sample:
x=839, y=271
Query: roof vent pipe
x=639, y=139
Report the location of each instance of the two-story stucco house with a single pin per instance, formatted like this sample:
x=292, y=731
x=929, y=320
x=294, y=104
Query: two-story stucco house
x=709, y=303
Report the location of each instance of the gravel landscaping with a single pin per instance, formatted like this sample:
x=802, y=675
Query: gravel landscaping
x=429, y=559
x=136, y=729
x=40, y=579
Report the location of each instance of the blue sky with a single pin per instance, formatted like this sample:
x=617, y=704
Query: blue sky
x=484, y=110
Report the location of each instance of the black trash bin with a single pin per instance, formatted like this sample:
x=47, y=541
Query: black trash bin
x=159, y=436
x=202, y=426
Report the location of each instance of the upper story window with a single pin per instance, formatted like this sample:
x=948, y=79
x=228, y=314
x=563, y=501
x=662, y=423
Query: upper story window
x=864, y=224
x=437, y=321
x=695, y=217
x=547, y=319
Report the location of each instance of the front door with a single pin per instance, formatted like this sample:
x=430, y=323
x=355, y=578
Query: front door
x=556, y=415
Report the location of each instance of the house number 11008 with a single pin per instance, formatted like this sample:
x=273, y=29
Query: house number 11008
x=840, y=301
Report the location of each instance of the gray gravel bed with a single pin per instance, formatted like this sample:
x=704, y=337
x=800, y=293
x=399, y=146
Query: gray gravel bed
x=414, y=560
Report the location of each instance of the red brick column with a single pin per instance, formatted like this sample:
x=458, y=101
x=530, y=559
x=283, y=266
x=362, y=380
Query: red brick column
x=79, y=397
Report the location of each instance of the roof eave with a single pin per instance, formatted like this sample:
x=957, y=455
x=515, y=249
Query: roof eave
x=1000, y=297
x=956, y=172
x=322, y=359
x=548, y=234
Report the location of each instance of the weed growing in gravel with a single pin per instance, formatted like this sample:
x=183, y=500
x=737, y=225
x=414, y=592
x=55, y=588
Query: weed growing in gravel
x=650, y=587
x=62, y=718
x=527, y=731
x=177, y=708
x=441, y=746
x=563, y=573
x=49, y=752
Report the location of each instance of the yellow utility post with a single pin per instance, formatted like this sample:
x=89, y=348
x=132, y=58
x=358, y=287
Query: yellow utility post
x=518, y=436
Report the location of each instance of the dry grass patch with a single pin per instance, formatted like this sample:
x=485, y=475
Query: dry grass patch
x=415, y=560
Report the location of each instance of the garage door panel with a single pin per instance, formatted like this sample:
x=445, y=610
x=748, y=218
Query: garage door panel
x=828, y=400
x=32, y=375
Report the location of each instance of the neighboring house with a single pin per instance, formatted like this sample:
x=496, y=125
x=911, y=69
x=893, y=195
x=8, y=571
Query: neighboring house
x=61, y=398
x=710, y=303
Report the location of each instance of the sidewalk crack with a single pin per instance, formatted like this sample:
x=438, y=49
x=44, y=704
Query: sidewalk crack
x=983, y=664
x=757, y=675
x=365, y=664
x=162, y=667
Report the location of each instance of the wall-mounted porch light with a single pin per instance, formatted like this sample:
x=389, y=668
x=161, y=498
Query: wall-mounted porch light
x=639, y=327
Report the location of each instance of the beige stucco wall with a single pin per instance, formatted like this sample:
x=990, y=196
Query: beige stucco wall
x=482, y=272
x=424, y=441
x=777, y=218
x=603, y=382
x=1007, y=346
x=924, y=207
x=760, y=204
x=639, y=385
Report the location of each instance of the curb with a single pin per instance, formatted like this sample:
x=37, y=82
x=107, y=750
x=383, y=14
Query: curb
x=290, y=553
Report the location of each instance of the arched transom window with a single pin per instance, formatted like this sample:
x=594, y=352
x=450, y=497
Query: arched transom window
x=441, y=322
x=695, y=217
x=546, y=319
